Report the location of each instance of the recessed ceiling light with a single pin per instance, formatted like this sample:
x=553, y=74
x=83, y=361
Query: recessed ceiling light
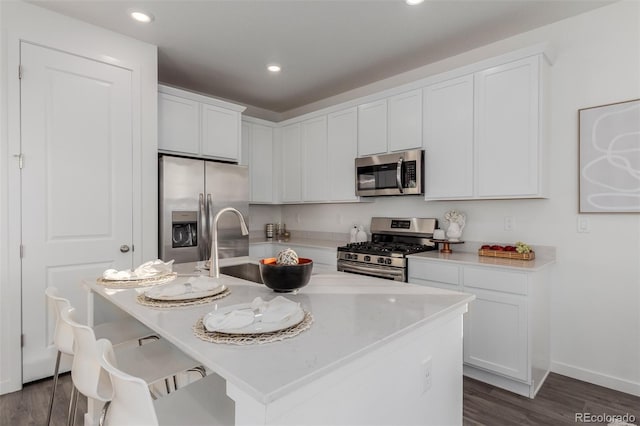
x=274, y=67
x=413, y=2
x=142, y=16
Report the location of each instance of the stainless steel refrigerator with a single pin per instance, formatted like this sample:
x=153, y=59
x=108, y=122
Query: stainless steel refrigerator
x=191, y=192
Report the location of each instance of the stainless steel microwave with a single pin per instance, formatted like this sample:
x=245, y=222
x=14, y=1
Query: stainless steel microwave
x=400, y=173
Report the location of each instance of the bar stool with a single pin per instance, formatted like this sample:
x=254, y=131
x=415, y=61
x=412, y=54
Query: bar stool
x=201, y=403
x=118, y=332
x=152, y=362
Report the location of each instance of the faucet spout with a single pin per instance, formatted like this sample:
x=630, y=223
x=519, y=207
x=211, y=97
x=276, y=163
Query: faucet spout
x=214, y=269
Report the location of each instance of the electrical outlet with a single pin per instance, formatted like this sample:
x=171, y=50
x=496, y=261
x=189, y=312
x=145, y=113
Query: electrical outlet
x=583, y=224
x=508, y=223
x=427, y=375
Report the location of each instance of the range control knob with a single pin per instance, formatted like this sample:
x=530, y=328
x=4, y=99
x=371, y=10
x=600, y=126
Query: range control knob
x=388, y=261
x=381, y=260
x=367, y=258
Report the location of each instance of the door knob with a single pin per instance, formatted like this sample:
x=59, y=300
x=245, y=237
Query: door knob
x=124, y=248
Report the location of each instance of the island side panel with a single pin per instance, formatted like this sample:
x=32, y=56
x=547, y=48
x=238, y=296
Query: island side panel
x=386, y=386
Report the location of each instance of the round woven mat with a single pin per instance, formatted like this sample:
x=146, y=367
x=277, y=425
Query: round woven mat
x=153, y=303
x=252, y=339
x=145, y=282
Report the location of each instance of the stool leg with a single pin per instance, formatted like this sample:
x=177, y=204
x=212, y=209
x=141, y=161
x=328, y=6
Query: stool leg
x=72, y=409
x=55, y=385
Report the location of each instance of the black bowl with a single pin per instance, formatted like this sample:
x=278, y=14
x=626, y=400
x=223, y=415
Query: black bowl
x=285, y=278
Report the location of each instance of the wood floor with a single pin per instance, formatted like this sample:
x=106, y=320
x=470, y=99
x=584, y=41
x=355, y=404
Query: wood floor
x=556, y=404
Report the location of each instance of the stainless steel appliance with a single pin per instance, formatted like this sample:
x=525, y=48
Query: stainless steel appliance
x=400, y=173
x=191, y=192
x=392, y=240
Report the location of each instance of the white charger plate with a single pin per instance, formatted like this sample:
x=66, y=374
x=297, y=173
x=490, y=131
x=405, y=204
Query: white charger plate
x=156, y=292
x=257, y=327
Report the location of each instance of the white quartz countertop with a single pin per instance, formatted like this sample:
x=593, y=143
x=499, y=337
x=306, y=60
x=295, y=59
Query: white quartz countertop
x=298, y=241
x=472, y=258
x=353, y=315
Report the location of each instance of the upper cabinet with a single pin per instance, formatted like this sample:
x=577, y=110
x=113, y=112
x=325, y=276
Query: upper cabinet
x=290, y=168
x=391, y=124
x=483, y=133
x=314, y=164
x=257, y=140
x=342, y=149
x=198, y=125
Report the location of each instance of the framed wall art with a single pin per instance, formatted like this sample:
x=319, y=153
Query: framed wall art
x=610, y=158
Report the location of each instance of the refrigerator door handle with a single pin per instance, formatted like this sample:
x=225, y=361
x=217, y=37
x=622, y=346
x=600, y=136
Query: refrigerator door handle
x=202, y=245
x=209, y=224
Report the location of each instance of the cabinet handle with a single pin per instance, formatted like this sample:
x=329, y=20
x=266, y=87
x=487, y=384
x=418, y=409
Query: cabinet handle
x=399, y=175
x=124, y=248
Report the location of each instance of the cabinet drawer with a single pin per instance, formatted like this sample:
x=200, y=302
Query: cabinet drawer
x=437, y=284
x=432, y=271
x=508, y=282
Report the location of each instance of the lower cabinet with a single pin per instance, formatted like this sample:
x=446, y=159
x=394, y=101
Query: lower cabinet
x=506, y=330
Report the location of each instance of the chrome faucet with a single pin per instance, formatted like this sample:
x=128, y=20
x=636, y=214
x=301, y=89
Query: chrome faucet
x=214, y=269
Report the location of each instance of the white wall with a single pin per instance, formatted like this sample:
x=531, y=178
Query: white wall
x=596, y=285
x=22, y=21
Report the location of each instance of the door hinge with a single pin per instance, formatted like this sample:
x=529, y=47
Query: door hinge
x=20, y=158
x=22, y=340
x=19, y=72
x=21, y=251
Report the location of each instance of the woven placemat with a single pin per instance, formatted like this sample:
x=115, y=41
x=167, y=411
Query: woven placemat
x=252, y=339
x=153, y=303
x=145, y=282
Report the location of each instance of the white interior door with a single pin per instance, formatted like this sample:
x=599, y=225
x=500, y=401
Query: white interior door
x=76, y=141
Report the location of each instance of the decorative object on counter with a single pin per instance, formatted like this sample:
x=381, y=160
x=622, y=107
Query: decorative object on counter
x=438, y=234
x=457, y=221
x=520, y=251
x=268, y=230
x=353, y=234
x=285, y=278
x=609, y=178
x=287, y=257
x=286, y=235
x=142, y=299
x=361, y=236
x=446, y=245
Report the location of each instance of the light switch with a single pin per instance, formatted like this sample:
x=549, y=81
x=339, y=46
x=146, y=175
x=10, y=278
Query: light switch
x=508, y=223
x=583, y=224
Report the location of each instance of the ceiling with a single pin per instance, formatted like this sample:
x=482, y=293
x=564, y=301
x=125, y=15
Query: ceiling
x=325, y=47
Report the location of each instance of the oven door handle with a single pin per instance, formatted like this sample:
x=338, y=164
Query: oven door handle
x=399, y=175
x=369, y=270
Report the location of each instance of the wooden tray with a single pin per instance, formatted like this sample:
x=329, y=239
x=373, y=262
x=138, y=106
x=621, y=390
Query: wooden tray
x=507, y=254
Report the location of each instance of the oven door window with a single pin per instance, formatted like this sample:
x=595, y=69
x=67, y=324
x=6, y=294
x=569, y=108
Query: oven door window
x=185, y=234
x=381, y=176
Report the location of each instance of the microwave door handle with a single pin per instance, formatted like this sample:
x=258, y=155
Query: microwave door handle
x=202, y=244
x=399, y=175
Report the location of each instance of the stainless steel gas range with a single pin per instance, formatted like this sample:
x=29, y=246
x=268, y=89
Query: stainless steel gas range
x=392, y=240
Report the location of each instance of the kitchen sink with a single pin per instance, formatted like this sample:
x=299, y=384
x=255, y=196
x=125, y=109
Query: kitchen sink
x=245, y=271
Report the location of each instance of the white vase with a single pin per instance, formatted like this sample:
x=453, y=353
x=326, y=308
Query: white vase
x=454, y=231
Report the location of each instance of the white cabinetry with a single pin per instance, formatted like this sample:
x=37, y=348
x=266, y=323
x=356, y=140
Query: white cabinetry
x=291, y=171
x=313, y=134
x=448, y=139
x=372, y=128
x=392, y=124
x=507, y=135
x=198, y=125
x=506, y=330
x=342, y=149
x=483, y=133
x=258, y=140
x=404, y=126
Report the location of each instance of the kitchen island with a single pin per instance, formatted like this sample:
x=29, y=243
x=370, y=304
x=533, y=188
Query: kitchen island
x=377, y=352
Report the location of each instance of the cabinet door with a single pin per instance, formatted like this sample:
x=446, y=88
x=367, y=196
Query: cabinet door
x=313, y=134
x=372, y=128
x=220, y=132
x=261, y=163
x=178, y=124
x=342, y=139
x=495, y=333
x=507, y=116
x=290, y=169
x=404, y=121
x=448, y=139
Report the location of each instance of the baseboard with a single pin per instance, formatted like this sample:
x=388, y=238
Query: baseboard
x=611, y=382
